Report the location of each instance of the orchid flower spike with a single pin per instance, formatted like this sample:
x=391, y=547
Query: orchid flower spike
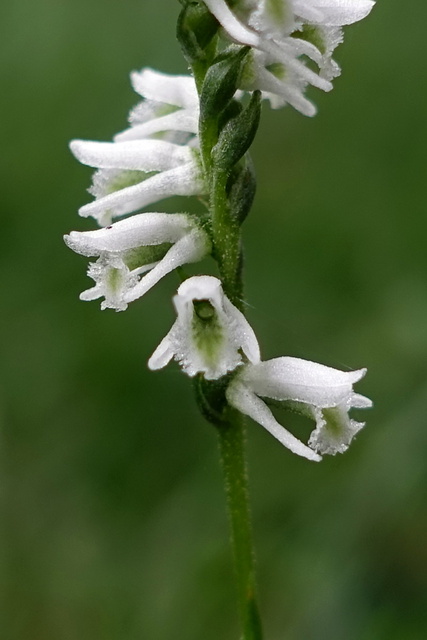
x=320, y=392
x=148, y=243
x=137, y=173
x=210, y=336
x=281, y=34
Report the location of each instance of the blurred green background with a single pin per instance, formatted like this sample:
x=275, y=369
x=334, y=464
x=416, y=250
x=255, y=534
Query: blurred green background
x=113, y=524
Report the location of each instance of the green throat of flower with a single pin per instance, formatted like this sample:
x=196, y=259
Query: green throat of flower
x=207, y=332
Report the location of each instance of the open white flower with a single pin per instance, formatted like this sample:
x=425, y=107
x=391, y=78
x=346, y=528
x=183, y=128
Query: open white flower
x=148, y=243
x=322, y=393
x=210, y=336
x=282, y=34
x=136, y=173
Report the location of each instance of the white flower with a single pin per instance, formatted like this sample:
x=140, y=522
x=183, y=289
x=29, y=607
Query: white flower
x=155, y=243
x=170, y=108
x=323, y=393
x=126, y=182
x=209, y=334
x=283, y=33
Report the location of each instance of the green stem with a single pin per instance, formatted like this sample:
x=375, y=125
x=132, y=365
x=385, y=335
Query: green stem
x=233, y=459
x=229, y=423
x=226, y=238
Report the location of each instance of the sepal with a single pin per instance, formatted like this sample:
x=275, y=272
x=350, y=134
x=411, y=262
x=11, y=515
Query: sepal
x=211, y=399
x=196, y=28
x=221, y=82
x=237, y=135
x=241, y=190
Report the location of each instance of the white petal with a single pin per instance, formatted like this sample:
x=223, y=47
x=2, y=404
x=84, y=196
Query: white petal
x=274, y=20
x=190, y=248
x=231, y=24
x=163, y=354
x=182, y=120
x=181, y=181
x=286, y=53
x=92, y=294
x=198, y=288
x=267, y=82
x=144, y=229
x=140, y=155
x=360, y=402
x=241, y=398
x=176, y=90
x=299, y=380
x=334, y=12
x=244, y=334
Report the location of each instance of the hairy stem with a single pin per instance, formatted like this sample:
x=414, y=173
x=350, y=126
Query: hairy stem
x=226, y=239
x=233, y=460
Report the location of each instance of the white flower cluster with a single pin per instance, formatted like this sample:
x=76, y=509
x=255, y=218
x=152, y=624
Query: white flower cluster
x=283, y=34
x=213, y=338
x=156, y=157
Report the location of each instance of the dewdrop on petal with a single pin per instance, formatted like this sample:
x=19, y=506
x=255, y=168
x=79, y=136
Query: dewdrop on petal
x=210, y=336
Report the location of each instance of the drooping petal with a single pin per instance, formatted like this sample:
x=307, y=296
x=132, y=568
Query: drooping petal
x=164, y=352
x=140, y=230
x=243, y=399
x=139, y=155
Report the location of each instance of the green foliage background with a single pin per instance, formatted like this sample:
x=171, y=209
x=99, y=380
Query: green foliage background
x=113, y=524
